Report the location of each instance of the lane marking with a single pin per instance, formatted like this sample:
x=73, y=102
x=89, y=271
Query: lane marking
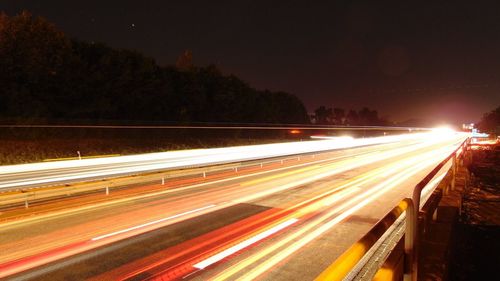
x=244, y=244
x=151, y=223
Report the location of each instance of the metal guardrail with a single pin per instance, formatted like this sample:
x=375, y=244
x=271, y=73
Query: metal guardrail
x=343, y=265
x=26, y=196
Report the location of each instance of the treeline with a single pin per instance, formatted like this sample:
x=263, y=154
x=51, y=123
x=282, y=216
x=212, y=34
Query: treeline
x=490, y=122
x=338, y=116
x=46, y=75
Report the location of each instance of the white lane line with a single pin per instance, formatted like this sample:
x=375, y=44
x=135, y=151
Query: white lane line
x=151, y=223
x=244, y=244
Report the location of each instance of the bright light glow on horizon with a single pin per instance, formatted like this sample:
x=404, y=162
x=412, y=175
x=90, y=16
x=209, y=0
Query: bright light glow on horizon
x=444, y=130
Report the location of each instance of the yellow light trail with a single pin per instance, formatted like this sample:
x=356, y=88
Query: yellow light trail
x=304, y=237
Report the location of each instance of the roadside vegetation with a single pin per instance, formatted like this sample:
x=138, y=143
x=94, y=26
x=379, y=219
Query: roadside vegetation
x=45, y=75
x=25, y=145
x=490, y=122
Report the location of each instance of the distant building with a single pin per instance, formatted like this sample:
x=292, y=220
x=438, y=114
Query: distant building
x=468, y=127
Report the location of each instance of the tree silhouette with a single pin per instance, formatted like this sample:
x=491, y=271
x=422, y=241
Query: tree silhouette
x=185, y=61
x=34, y=60
x=368, y=117
x=490, y=122
x=338, y=116
x=44, y=76
x=352, y=118
x=323, y=115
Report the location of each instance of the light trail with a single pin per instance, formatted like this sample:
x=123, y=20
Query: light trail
x=152, y=223
x=239, y=199
x=386, y=155
x=323, y=201
x=174, y=190
x=16, y=176
x=327, y=198
x=303, y=209
x=221, y=194
x=330, y=171
x=244, y=244
x=305, y=238
x=338, y=193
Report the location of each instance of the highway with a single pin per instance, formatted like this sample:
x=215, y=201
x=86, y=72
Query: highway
x=280, y=222
x=53, y=173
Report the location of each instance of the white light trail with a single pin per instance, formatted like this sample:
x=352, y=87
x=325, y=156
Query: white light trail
x=244, y=244
x=63, y=171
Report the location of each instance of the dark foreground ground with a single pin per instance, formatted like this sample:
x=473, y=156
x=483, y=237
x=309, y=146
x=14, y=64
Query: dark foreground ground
x=475, y=249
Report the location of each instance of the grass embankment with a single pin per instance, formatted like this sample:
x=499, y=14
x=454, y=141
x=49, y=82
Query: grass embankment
x=25, y=145
x=26, y=151
x=35, y=144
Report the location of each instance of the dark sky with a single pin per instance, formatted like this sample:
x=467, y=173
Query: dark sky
x=439, y=60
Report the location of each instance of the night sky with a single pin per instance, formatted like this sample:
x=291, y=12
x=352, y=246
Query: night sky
x=438, y=61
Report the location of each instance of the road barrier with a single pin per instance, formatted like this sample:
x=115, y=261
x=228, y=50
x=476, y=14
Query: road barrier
x=342, y=268
x=27, y=196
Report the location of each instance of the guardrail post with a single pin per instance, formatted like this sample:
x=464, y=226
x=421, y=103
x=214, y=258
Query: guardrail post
x=468, y=152
x=26, y=204
x=410, y=261
x=434, y=215
x=467, y=179
x=163, y=181
x=453, y=171
x=204, y=174
x=236, y=169
x=261, y=165
x=107, y=190
x=462, y=155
